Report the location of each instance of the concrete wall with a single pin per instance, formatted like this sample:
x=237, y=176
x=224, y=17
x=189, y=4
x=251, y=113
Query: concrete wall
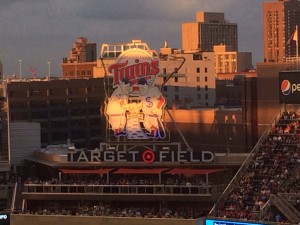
x=211, y=130
x=17, y=219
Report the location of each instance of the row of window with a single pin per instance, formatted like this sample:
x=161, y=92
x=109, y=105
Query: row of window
x=56, y=92
x=176, y=97
x=79, y=73
x=198, y=70
x=177, y=88
x=197, y=79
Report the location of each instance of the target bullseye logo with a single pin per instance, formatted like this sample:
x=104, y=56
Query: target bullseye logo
x=148, y=156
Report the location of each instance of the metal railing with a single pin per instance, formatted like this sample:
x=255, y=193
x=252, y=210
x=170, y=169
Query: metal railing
x=125, y=189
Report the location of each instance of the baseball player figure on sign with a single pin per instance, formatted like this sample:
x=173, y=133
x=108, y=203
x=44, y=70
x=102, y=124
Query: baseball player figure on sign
x=116, y=107
x=153, y=103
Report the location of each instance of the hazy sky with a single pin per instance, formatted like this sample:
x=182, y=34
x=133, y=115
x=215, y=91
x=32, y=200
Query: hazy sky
x=38, y=31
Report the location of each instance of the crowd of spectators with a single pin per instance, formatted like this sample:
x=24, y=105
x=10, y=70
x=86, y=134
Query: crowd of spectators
x=108, y=209
x=292, y=186
x=271, y=165
x=125, y=179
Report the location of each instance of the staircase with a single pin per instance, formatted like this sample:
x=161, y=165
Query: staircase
x=288, y=210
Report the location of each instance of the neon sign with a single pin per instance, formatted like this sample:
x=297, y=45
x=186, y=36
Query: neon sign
x=135, y=108
x=147, y=156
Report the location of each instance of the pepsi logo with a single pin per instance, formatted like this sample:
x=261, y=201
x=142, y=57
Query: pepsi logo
x=286, y=87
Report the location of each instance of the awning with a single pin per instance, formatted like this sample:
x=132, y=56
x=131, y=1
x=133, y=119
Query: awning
x=187, y=171
x=77, y=171
x=139, y=171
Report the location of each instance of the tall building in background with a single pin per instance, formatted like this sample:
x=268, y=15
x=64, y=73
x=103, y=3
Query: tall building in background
x=81, y=60
x=279, y=24
x=208, y=30
x=228, y=61
x=1, y=70
x=193, y=83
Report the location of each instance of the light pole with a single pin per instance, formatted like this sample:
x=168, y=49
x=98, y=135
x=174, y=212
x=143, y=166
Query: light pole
x=20, y=61
x=75, y=75
x=49, y=71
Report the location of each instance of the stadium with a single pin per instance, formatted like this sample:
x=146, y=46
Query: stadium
x=141, y=174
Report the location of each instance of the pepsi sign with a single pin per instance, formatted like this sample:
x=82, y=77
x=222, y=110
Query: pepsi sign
x=289, y=87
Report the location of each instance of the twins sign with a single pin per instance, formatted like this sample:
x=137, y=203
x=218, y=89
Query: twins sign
x=135, y=108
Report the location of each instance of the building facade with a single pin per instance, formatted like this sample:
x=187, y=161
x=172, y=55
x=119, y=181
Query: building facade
x=228, y=61
x=1, y=70
x=192, y=84
x=280, y=19
x=65, y=109
x=81, y=60
x=208, y=30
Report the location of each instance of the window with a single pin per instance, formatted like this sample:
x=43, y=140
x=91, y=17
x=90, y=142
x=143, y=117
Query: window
x=176, y=88
x=198, y=79
x=164, y=70
x=165, y=88
x=198, y=87
x=176, y=79
x=176, y=97
x=199, y=96
x=205, y=79
x=206, y=96
x=205, y=69
x=206, y=87
x=197, y=57
x=198, y=70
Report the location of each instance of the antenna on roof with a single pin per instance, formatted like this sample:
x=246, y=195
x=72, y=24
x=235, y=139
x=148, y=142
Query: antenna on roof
x=166, y=44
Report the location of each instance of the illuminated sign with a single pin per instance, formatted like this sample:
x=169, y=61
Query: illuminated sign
x=146, y=156
x=229, y=222
x=289, y=87
x=135, y=108
x=4, y=218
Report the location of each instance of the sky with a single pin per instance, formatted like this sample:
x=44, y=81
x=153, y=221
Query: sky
x=37, y=32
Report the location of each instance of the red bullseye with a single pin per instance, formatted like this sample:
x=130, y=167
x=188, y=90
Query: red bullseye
x=148, y=156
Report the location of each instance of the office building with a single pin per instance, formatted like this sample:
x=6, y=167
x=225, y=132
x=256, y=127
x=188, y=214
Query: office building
x=280, y=19
x=81, y=60
x=208, y=30
x=192, y=84
x=1, y=70
x=65, y=109
x=229, y=61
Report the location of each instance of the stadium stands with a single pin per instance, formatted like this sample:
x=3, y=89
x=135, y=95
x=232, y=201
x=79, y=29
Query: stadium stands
x=271, y=170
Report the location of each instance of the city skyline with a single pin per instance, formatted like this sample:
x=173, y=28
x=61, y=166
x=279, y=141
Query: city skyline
x=41, y=32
